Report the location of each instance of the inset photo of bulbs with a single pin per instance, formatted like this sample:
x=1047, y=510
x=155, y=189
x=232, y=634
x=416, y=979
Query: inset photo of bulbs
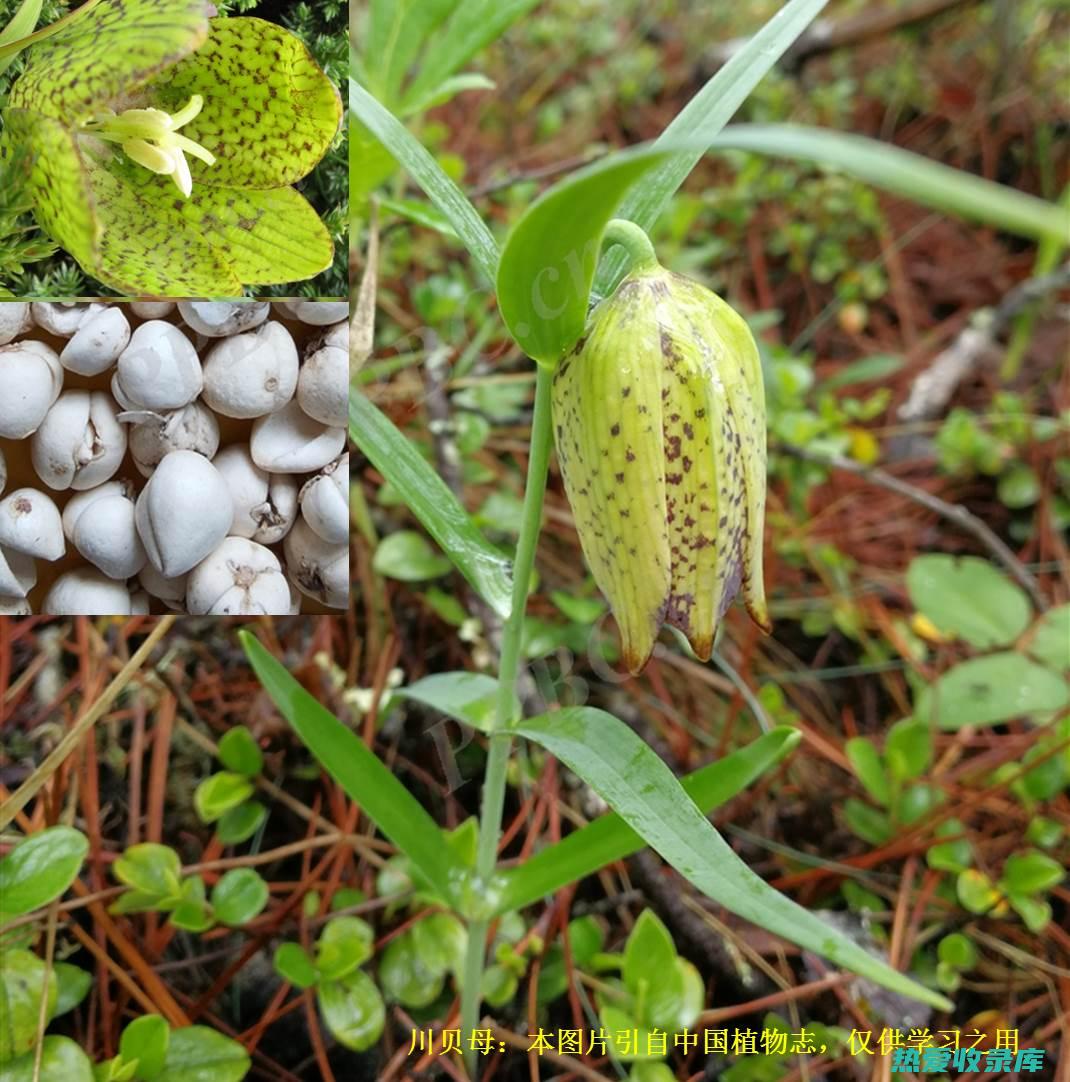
x=161, y=456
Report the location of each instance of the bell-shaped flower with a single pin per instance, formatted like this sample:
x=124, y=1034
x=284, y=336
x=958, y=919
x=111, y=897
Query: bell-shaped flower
x=659, y=423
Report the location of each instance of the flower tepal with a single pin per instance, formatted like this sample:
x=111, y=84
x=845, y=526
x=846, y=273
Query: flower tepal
x=659, y=422
x=150, y=138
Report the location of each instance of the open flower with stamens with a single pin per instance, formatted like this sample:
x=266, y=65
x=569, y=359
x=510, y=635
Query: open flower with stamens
x=150, y=138
x=659, y=422
x=134, y=98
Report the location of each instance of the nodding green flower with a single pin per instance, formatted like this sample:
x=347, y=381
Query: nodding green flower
x=659, y=423
x=150, y=138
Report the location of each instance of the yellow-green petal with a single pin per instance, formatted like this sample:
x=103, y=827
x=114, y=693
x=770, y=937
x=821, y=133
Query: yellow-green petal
x=269, y=112
x=108, y=54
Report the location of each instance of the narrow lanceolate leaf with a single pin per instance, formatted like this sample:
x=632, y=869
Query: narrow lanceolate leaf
x=359, y=771
x=108, y=54
x=269, y=111
x=427, y=497
x=703, y=117
x=423, y=168
x=910, y=175
x=609, y=837
x=637, y=784
x=473, y=25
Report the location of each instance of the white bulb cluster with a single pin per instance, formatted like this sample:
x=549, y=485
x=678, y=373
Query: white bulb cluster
x=192, y=456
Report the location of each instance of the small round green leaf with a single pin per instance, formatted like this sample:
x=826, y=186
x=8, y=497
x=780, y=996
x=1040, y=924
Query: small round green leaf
x=344, y=944
x=218, y=794
x=239, y=824
x=146, y=1040
x=353, y=1010
x=151, y=869
x=405, y=977
x=22, y=984
x=200, y=1054
x=40, y=868
x=967, y=597
x=72, y=986
x=1050, y=641
x=239, y=752
x=293, y=964
x=61, y=1061
x=866, y=761
x=409, y=557
x=1031, y=872
x=239, y=896
x=989, y=690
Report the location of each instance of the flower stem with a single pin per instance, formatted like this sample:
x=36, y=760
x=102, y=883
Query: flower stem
x=633, y=240
x=505, y=713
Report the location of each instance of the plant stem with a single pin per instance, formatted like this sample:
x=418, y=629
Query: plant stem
x=634, y=241
x=505, y=712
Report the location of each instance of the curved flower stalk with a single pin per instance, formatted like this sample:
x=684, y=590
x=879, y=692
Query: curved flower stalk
x=659, y=422
x=145, y=207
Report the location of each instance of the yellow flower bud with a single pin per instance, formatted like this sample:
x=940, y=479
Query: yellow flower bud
x=659, y=423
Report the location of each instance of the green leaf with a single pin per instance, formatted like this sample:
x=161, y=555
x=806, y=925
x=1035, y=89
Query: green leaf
x=239, y=896
x=438, y=187
x=989, y=690
x=447, y=89
x=192, y=912
x=903, y=173
x=952, y=856
x=200, y=1054
x=72, y=986
x=405, y=976
x=474, y=24
x=146, y=1040
x=416, y=210
x=1035, y=912
x=631, y=778
x=976, y=891
x=866, y=761
x=440, y=940
x=269, y=112
x=19, y=26
x=549, y=259
x=239, y=824
x=150, y=869
x=879, y=366
x=1031, y=872
x=1050, y=642
x=396, y=31
x=967, y=597
x=393, y=809
x=408, y=557
x=40, y=868
x=428, y=498
x=908, y=749
x=61, y=1061
x=239, y=751
x=24, y=979
x=344, y=944
x=651, y=975
x=219, y=793
x=704, y=116
x=467, y=697
x=353, y=1010
x=109, y=53
x=957, y=950
x=867, y=823
x=610, y=838
x=293, y=964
